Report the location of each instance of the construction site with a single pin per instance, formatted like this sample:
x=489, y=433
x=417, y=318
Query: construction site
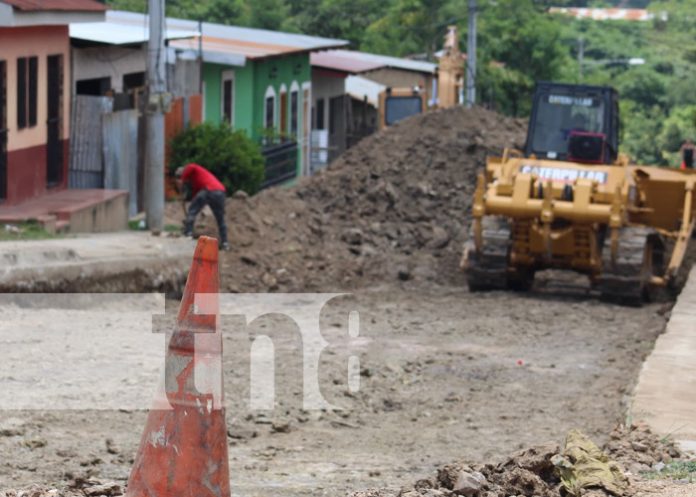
x=460, y=392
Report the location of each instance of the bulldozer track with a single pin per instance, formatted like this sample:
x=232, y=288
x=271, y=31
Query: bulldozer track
x=627, y=279
x=487, y=270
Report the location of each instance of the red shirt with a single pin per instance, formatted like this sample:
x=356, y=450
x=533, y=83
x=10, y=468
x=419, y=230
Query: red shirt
x=200, y=179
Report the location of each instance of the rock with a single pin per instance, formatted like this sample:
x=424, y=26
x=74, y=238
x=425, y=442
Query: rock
x=249, y=260
x=659, y=466
x=404, y=274
x=241, y=433
x=241, y=195
x=639, y=446
x=440, y=238
x=109, y=489
x=270, y=281
x=468, y=484
x=281, y=427
x=353, y=236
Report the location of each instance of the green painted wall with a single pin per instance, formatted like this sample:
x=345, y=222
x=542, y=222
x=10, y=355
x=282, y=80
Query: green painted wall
x=251, y=84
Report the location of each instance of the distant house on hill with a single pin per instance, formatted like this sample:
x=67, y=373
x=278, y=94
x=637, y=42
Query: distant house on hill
x=598, y=14
x=35, y=97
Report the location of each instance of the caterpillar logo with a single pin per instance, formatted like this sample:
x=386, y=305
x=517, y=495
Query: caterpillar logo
x=564, y=175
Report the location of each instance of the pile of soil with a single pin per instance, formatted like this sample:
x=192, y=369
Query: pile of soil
x=394, y=206
x=531, y=472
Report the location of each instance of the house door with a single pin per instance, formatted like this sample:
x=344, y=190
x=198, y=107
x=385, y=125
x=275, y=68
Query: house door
x=54, y=148
x=3, y=130
x=283, y=116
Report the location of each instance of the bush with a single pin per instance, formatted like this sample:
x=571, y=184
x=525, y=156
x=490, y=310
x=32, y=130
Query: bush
x=230, y=155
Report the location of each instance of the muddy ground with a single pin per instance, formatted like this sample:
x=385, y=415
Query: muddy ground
x=445, y=376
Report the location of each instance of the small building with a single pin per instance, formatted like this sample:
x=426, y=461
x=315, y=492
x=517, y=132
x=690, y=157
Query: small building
x=255, y=80
x=110, y=58
x=346, y=97
x=35, y=100
x=261, y=82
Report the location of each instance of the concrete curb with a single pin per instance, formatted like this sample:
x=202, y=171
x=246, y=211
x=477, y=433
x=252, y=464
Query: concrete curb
x=112, y=262
x=665, y=396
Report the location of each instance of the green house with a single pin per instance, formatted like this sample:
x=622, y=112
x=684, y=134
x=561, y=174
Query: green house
x=259, y=81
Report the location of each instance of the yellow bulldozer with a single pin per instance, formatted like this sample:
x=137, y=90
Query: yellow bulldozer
x=570, y=201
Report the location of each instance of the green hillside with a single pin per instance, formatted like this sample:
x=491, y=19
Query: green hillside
x=519, y=42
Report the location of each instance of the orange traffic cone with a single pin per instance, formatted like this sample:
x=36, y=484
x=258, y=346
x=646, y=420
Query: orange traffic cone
x=183, y=451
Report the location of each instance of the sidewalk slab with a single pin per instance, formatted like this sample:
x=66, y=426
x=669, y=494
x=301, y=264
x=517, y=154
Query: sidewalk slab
x=127, y=261
x=665, y=396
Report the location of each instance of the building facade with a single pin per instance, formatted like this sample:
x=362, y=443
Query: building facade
x=35, y=94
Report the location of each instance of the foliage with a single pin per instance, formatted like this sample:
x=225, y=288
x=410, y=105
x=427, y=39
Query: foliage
x=230, y=155
x=519, y=43
x=28, y=230
x=676, y=470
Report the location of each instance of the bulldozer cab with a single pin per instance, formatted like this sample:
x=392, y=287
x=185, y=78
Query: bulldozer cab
x=396, y=104
x=575, y=123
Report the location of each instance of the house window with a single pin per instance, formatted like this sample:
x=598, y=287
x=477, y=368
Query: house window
x=320, y=113
x=27, y=89
x=133, y=81
x=270, y=112
x=228, y=97
x=96, y=87
x=294, y=110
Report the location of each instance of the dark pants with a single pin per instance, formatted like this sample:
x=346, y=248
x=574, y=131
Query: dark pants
x=216, y=201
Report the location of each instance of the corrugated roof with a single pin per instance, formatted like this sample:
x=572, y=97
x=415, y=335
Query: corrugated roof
x=218, y=40
x=359, y=62
x=56, y=5
x=120, y=34
x=250, y=50
x=338, y=62
x=361, y=88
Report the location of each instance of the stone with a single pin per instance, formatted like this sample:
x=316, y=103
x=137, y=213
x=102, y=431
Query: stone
x=468, y=484
x=353, y=236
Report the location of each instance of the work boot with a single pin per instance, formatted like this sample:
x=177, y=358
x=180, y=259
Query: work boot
x=225, y=246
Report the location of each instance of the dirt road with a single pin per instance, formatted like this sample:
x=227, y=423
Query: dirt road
x=445, y=375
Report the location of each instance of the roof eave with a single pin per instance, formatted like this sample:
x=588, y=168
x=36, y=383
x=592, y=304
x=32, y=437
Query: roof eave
x=10, y=17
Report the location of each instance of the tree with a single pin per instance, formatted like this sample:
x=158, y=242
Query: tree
x=230, y=155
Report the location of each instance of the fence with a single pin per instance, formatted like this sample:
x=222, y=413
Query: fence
x=106, y=145
x=281, y=163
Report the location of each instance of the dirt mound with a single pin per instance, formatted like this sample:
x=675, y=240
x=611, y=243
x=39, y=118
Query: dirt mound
x=394, y=206
x=638, y=449
x=531, y=472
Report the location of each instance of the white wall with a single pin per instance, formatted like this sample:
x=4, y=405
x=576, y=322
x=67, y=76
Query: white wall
x=326, y=87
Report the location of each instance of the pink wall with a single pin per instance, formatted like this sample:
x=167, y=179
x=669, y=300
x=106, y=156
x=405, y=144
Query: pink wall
x=26, y=147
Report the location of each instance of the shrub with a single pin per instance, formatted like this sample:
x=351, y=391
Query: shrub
x=231, y=156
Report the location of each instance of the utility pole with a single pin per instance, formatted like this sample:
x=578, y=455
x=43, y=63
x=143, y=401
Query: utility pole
x=581, y=56
x=471, y=56
x=154, y=118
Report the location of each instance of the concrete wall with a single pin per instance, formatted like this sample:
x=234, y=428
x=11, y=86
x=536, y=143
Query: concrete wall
x=326, y=85
x=107, y=61
x=26, y=147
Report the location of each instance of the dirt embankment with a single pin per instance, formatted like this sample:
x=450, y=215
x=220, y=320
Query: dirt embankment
x=394, y=206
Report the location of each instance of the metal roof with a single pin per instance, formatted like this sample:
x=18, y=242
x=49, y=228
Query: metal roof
x=361, y=88
x=222, y=44
x=360, y=62
x=340, y=62
x=106, y=32
x=120, y=29
x=56, y=5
